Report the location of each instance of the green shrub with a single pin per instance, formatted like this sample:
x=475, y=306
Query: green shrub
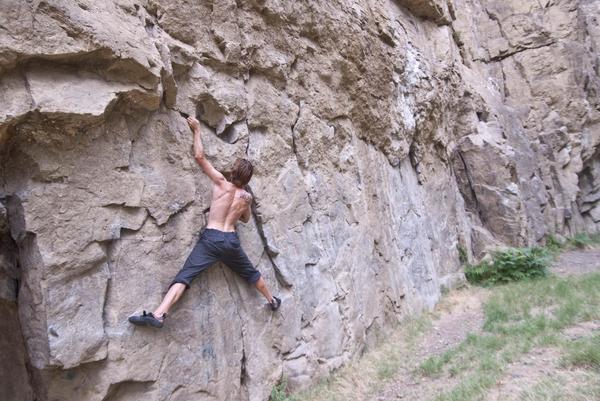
x=508, y=265
x=553, y=244
x=463, y=257
x=280, y=393
x=583, y=240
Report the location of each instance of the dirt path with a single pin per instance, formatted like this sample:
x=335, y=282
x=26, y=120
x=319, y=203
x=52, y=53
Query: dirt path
x=577, y=262
x=459, y=314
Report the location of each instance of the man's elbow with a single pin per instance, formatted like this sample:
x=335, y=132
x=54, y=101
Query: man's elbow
x=245, y=219
x=199, y=156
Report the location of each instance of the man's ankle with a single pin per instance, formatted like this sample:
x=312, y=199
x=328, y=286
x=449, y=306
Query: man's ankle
x=275, y=303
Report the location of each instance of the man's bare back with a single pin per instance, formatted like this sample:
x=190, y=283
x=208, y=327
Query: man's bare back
x=229, y=204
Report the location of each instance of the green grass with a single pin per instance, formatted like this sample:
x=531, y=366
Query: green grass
x=463, y=256
x=388, y=368
x=280, y=392
x=518, y=317
x=546, y=390
x=363, y=377
x=560, y=388
x=583, y=240
x=583, y=353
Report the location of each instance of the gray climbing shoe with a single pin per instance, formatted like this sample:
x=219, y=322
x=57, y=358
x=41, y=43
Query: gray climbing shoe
x=275, y=304
x=147, y=319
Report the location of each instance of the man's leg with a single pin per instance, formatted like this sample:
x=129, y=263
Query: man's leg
x=172, y=296
x=261, y=286
x=202, y=257
x=237, y=260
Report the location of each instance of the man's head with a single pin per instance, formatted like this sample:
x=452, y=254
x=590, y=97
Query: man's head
x=241, y=173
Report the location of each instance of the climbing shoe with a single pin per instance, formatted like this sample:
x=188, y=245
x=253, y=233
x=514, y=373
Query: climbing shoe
x=275, y=304
x=147, y=319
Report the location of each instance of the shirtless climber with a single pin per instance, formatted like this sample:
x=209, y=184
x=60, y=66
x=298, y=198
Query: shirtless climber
x=218, y=241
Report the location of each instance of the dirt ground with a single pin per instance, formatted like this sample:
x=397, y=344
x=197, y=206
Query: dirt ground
x=577, y=262
x=459, y=314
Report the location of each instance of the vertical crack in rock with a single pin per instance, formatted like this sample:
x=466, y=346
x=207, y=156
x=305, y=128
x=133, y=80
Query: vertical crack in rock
x=505, y=90
x=294, y=146
x=302, y=166
x=269, y=250
x=108, y=250
x=243, y=371
x=415, y=161
x=17, y=378
x=339, y=299
x=248, y=143
x=32, y=104
x=459, y=44
x=4, y=156
x=471, y=188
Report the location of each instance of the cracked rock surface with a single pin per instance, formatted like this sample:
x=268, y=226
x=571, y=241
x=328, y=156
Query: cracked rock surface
x=387, y=135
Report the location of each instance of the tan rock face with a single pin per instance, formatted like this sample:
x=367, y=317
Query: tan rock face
x=386, y=135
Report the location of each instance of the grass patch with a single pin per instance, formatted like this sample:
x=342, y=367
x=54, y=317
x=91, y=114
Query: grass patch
x=518, y=317
x=433, y=366
x=584, y=353
x=546, y=390
x=363, y=377
x=583, y=240
x=463, y=256
x=280, y=392
x=562, y=388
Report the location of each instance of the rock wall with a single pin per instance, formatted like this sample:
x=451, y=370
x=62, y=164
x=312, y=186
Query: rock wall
x=386, y=135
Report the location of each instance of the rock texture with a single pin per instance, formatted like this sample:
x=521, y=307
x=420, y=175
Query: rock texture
x=387, y=136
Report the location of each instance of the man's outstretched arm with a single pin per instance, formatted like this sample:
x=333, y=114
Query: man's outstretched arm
x=208, y=168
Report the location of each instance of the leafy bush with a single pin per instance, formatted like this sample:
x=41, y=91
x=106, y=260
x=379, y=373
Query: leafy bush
x=279, y=392
x=553, y=244
x=508, y=265
x=463, y=257
x=583, y=240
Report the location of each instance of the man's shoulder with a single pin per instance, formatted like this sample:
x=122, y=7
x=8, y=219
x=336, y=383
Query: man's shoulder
x=244, y=195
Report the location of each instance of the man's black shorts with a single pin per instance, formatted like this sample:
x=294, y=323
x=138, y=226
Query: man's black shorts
x=217, y=246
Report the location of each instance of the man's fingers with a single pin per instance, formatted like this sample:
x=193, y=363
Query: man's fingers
x=193, y=123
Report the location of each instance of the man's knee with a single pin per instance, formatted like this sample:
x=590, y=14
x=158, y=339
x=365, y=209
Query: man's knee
x=260, y=282
x=177, y=288
x=180, y=287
